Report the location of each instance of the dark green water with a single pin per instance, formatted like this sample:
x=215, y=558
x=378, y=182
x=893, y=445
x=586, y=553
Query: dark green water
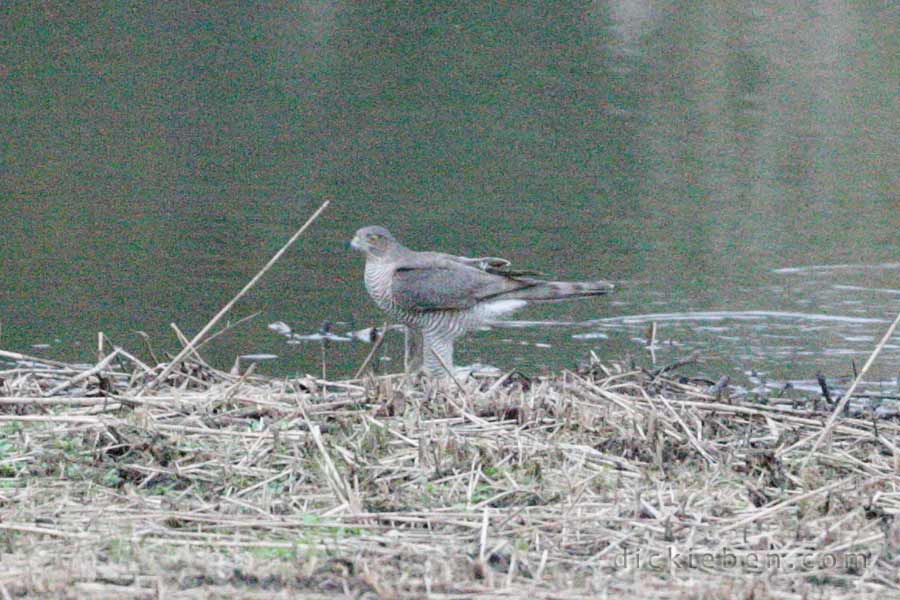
x=154, y=157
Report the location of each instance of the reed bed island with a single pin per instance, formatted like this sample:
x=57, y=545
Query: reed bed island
x=606, y=480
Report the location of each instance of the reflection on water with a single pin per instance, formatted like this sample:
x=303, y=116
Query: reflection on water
x=154, y=158
x=840, y=268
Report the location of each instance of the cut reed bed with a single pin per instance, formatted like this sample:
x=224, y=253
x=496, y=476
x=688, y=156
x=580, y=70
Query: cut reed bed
x=603, y=481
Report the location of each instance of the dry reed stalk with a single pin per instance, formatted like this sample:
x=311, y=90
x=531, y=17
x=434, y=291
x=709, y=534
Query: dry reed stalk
x=228, y=327
x=19, y=357
x=449, y=372
x=85, y=374
x=212, y=322
x=826, y=431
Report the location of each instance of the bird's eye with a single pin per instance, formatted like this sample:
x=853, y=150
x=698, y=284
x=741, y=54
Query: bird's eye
x=374, y=237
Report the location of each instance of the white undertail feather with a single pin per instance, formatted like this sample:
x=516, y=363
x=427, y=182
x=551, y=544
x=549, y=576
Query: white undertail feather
x=501, y=308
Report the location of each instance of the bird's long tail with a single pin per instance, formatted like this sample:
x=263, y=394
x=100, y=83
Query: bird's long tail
x=537, y=290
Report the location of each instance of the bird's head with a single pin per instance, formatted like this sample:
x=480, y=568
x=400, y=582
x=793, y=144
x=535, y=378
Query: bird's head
x=374, y=241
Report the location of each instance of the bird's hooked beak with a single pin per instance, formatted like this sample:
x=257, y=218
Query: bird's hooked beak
x=356, y=244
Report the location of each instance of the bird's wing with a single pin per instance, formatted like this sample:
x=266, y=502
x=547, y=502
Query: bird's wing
x=431, y=281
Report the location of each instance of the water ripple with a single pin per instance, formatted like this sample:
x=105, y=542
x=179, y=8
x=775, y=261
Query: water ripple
x=746, y=315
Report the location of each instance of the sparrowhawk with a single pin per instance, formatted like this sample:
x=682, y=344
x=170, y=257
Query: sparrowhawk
x=439, y=297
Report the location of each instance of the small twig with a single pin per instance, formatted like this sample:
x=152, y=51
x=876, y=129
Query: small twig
x=230, y=392
x=779, y=506
x=485, y=521
x=823, y=383
x=143, y=335
x=84, y=375
x=687, y=430
x=691, y=358
x=33, y=359
x=41, y=530
x=184, y=342
x=146, y=368
x=339, y=485
x=228, y=327
x=449, y=372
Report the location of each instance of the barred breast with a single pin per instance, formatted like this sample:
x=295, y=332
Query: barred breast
x=378, y=284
